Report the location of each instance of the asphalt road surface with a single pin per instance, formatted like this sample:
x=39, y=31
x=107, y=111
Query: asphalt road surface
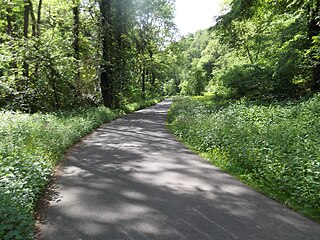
x=132, y=180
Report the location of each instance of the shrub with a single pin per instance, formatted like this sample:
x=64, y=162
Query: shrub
x=274, y=147
x=248, y=80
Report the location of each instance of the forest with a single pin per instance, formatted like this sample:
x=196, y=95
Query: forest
x=246, y=90
x=257, y=49
x=58, y=54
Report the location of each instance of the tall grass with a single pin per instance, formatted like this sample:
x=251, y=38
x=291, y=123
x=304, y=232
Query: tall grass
x=30, y=147
x=273, y=147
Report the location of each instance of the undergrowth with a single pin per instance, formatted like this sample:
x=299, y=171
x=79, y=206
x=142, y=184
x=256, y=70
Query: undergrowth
x=30, y=148
x=272, y=147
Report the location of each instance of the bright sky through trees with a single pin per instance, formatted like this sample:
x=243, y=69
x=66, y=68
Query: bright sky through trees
x=193, y=15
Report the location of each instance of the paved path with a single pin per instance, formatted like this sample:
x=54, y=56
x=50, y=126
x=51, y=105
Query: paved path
x=132, y=180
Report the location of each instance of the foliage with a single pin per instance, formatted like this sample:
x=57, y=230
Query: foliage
x=97, y=52
x=170, y=88
x=130, y=107
x=57, y=55
x=278, y=35
x=30, y=147
x=248, y=80
x=273, y=147
x=40, y=71
x=153, y=32
x=256, y=49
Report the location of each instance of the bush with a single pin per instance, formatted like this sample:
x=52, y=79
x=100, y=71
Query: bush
x=274, y=147
x=249, y=80
x=30, y=146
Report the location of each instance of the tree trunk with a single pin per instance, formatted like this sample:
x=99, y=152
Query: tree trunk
x=25, y=33
x=106, y=89
x=106, y=74
x=33, y=19
x=35, y=76
x=153, y=77
x=152, y=70
x=76, y=46
x=26, y=18
x=143, y=80
x=9, y=22
x=39, y=18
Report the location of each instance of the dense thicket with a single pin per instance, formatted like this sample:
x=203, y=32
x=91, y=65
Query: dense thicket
x=259, y=49
x=57, y=54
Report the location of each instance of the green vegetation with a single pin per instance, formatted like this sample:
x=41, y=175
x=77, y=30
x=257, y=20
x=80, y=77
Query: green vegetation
x=61, y=54
x=254, y=67
x=272, y=147
x=30, y=147
x=257, y=49
x=117, y=52
x=131, y=107
x=58, y=55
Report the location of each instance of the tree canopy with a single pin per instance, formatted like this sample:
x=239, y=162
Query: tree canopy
x=59, y=54
x=259, y=49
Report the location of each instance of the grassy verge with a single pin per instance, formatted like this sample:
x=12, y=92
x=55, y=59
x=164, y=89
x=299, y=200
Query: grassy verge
x=30, y=147
x=272, y=147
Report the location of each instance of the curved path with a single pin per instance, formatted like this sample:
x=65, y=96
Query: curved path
x=131, y=179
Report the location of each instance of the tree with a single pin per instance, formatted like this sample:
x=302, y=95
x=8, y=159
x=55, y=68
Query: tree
x=313, y=12
x=274, y=35
x=26, y=13
x=60, y=53
x=155, y=28
x=114, y=21
x=76, y=37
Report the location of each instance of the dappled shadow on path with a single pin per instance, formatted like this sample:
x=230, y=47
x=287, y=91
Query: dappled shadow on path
x=133, y=180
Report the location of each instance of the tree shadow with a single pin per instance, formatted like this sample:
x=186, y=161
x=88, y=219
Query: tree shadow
x=132, y=180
